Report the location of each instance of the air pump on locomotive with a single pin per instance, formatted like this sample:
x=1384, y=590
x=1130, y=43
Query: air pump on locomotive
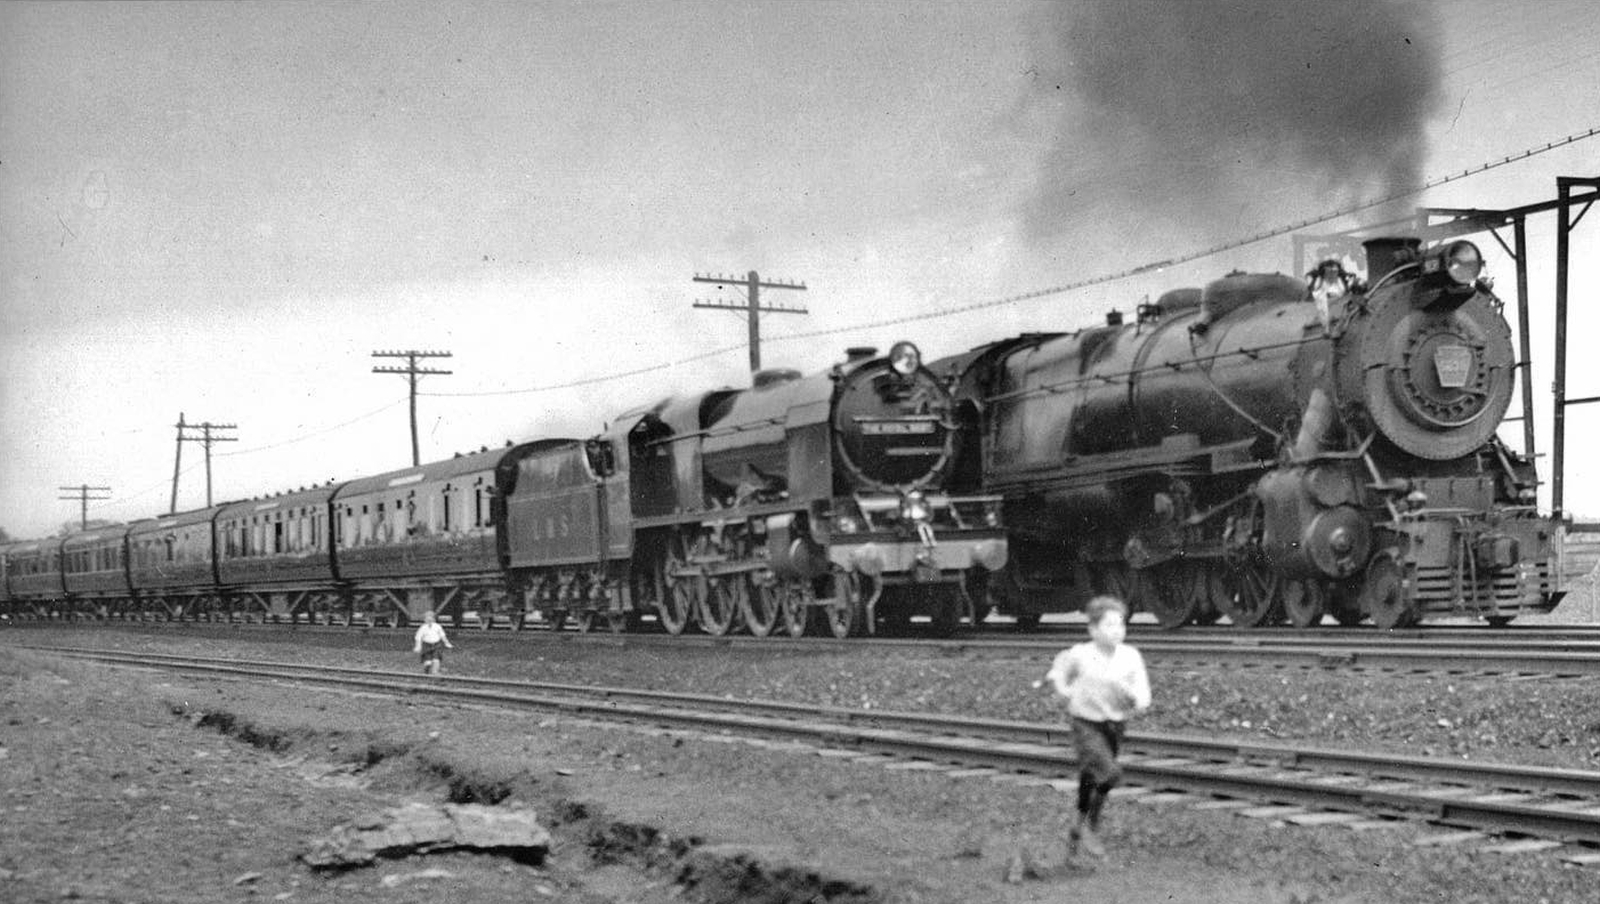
x=1266, y=448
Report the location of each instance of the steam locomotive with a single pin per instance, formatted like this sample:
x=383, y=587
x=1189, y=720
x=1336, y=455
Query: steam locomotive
x=1267, y=448
x=799, y=503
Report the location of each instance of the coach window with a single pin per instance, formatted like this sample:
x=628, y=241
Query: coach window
x=477, y=503
x=277, y=534
x=445, y=497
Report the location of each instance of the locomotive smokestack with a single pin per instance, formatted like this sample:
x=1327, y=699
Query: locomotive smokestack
x=1385, y=254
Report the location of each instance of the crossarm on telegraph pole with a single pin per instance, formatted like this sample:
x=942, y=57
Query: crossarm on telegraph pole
x=751, y=305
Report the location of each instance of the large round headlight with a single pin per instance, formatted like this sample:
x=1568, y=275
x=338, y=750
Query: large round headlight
x=1463, y=262
x=905, y=358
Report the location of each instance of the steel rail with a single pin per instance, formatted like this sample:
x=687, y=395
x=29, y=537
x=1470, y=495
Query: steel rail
x=1574, y=657
x=1454, y=792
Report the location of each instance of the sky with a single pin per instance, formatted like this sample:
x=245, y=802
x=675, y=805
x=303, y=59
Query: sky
x=221, y=210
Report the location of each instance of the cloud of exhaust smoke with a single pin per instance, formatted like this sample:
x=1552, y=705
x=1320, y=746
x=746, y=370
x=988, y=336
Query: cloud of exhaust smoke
x=1194, y=123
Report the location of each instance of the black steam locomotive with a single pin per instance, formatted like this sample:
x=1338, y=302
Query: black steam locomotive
x=799, y=503
x=1268, y=448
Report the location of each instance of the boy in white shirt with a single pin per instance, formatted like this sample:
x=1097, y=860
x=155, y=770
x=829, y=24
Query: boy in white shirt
x=430, y=637
x=1104, y=681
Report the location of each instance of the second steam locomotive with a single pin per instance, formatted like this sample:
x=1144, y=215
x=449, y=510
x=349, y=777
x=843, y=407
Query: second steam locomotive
x=1266, y=449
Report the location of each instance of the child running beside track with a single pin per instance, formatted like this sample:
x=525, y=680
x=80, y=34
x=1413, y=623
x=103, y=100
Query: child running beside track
x=1104, y=681
x=430, y=637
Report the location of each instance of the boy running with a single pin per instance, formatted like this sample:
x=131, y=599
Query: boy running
x=1104, y=682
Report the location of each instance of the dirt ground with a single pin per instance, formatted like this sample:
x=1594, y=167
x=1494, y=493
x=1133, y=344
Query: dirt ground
x=125, y=786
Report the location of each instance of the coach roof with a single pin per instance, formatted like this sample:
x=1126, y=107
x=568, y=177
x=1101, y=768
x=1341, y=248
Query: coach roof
x=470, y=463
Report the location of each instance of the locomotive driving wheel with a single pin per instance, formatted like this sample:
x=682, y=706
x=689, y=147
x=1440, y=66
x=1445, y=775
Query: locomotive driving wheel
x=1179, y=593
x=1253, y=597
x=1385, y=594
x=796, y=606
x=763, y=605
x=719, y=609
x=682, y=589
x=1304, y=602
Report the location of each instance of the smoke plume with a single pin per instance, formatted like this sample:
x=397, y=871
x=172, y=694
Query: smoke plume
x=1199, y=122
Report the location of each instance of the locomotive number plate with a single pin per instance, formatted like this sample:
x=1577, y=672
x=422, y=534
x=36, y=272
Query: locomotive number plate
x=1453, y=364
x=895, y=428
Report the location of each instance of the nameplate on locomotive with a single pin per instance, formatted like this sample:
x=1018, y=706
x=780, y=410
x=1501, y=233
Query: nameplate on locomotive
x=1454, y=364
x=895, y=428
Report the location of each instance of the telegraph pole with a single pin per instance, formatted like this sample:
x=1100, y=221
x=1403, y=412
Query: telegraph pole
x=83, y=498
x=751, y=305
x=412, y=372
x=206, y=439
x=177, y=464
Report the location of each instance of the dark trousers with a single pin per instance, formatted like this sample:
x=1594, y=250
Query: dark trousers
x=1098, y=772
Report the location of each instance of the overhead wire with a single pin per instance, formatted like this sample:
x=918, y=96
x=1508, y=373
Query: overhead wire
x=1064, y=288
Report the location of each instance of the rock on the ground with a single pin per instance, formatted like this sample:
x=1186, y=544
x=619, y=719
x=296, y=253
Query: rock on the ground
x=425, y=828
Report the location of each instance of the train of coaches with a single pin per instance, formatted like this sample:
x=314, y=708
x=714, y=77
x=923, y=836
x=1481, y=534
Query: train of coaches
x=1262, y=448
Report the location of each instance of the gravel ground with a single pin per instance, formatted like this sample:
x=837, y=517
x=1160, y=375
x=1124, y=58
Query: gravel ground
x=120, y=789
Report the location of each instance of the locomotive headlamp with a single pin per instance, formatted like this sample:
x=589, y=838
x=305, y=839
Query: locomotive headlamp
x=914, y=507
x=905, y=359
x=1462, y=262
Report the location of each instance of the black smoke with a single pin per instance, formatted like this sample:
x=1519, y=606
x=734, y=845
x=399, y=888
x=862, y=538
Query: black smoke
x=1203, y=121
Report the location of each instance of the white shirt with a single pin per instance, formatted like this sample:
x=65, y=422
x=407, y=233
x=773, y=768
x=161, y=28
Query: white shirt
x=430, y=632
x=1101, y=687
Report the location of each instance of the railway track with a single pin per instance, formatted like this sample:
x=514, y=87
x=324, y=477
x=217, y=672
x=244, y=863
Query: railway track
x=1502, y=806
x=1572, y=652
